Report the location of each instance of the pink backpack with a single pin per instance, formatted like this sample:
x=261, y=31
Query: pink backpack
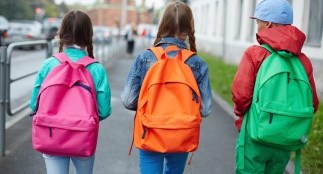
x=66, y=122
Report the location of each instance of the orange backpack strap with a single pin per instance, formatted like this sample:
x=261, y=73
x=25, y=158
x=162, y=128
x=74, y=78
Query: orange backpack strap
x=186, y=54
x=158, y=52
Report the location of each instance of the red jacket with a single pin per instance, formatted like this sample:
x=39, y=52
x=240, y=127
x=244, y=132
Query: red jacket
x=287, y=38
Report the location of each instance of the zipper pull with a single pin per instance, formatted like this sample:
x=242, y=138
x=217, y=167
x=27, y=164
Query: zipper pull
x=195, y=97
x=144, y=133
x=270, y=118
x=50, y=132
x=288, y=79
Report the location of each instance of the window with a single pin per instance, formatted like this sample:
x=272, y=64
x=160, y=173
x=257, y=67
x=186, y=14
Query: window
x=315, y=24
x=216, y=13
x=253, y=22
x=239, y=19
x=206, y=18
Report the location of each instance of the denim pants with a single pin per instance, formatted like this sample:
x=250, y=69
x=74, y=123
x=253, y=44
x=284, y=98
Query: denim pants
x=60, y=164
x=156, y=163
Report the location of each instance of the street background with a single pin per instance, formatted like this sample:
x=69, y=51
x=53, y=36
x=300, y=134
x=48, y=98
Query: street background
x=215, y=154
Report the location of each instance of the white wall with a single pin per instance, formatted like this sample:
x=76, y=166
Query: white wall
x=225, y=30
x=218, y=31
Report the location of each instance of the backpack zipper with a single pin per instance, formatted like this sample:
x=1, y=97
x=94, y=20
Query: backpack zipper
x=144, y=134
x=270, y=118
x=50, y=132
x=288, y=79
x=195, y=97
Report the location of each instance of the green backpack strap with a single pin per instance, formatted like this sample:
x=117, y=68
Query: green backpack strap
x=241, y=143
x=297, y=167
x=267, y=47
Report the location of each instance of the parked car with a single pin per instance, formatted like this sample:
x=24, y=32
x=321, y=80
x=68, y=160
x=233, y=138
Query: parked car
x=4, y=26
x=101, y=34
x=20, y=31
x=50, y=27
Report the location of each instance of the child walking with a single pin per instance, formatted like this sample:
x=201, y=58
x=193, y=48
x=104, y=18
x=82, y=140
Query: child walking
x=176, y=25
x=75, y=43
x=277, y=36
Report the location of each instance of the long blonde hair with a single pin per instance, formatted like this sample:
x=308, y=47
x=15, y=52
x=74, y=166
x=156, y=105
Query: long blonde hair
x=177, y=18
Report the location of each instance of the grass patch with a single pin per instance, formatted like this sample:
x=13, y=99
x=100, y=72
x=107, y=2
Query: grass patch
x=312, y=154
x=221, y=76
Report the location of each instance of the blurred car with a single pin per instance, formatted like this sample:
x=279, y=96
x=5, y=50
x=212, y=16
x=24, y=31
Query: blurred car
x=101, y=34
x=50, y=27
x=20, y=31
x=4, y=26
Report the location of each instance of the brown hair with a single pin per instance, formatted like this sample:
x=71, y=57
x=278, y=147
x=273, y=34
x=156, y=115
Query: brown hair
x=76, y=29
x=177, y=19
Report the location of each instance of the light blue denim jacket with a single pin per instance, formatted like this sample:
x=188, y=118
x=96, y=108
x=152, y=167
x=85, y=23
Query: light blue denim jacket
x=146, y=58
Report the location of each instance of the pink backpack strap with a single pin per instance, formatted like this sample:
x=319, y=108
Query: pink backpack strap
x=86, y=60
x=61, y=57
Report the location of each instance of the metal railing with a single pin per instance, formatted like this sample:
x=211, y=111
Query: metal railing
x=104, y=52
x=8, y=80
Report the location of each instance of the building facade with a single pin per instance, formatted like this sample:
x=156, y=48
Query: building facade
x=118, y=13
x=223, y=28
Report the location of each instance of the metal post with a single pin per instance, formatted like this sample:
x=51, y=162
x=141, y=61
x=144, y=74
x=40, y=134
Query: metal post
x=3, y=55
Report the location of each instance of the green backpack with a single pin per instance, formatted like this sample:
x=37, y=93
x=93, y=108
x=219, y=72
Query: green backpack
x=281, y=111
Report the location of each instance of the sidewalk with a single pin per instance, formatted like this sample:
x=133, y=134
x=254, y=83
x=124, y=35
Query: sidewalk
x=225, y=106
x=215, y=154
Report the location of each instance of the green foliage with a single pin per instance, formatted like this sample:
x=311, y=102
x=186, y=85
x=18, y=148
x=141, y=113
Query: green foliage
x=312, y=154
x=21, y=9
x=221, y=76
x=25, y=9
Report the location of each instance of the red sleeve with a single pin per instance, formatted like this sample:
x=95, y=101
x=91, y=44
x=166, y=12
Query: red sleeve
x=243, y=82
x=309, y=70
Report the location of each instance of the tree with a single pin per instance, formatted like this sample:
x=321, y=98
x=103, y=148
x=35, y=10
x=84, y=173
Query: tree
x=21, y=9
x=51, y=9
x=62, y=8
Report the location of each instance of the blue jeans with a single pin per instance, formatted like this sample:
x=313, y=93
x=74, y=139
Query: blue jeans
x=60, y=164
x=153, y=162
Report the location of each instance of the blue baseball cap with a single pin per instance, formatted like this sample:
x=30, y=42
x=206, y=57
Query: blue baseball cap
x=276, y=11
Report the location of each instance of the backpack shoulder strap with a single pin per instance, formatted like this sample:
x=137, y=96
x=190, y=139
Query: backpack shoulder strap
x=267, y=47
x=86, y=60
x=61, y=57
x=187, y=54
x=158, y=52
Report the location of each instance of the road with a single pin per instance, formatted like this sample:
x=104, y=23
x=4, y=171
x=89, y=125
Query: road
x=214, y=156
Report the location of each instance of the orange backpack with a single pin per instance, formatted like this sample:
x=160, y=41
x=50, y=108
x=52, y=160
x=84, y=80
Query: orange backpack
x=168, y=111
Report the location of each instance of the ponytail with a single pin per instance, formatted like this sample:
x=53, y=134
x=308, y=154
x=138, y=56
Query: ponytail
x=61, y=44
x=192, y=42
x=90, y=49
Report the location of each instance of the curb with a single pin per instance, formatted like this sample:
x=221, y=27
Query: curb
x=223, y=104
x=227, y=108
